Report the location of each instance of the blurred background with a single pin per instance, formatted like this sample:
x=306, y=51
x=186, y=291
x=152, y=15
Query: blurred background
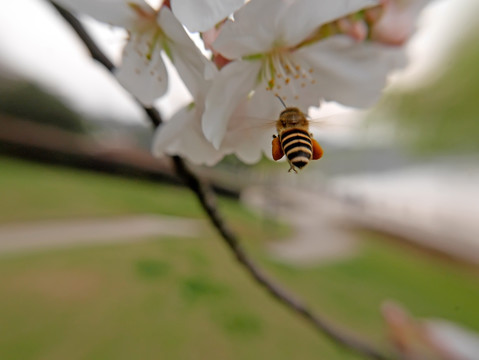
x=104, y=255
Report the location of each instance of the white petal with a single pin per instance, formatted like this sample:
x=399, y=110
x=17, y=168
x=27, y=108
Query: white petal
x=201, y=15
x=173, y=28
x=250, y=152
x=249, y=145
x=253, y=30
x=182, y=136
x=232, y=85
x=146, y=79
x=307, y=15
x=351, y=73
x=114, y=12
x=251, y=128
x=169, y=132
x=398, y=21
x=261, y=25
x=262, y=109
x=190, y=63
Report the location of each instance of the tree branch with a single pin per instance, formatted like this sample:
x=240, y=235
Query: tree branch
x=208, y=202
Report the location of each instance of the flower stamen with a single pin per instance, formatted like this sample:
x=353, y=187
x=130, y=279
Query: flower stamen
x=153, y=43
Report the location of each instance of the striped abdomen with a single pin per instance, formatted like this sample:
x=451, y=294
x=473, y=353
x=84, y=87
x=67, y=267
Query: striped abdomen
x=297, y=147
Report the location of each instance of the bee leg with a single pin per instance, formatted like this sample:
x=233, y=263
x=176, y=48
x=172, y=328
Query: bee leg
x=292, y=168
x=276, y=149
x=317, y=150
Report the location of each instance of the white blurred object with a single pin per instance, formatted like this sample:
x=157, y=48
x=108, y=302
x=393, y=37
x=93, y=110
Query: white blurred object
x=434, y=205
x=428, y=339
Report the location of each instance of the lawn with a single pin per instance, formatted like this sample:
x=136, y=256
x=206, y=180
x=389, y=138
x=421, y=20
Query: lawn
x=171, y=298
x=31, y=192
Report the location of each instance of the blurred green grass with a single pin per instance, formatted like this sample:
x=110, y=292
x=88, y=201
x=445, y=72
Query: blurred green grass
x=188, y=299
x=173, y=298
x=31, y=192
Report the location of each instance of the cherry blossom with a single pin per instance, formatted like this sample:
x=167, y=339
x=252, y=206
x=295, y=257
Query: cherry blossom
x=153, y=33
x=303, y=51
x=183, y=135
x=248, y=137
x=297, y=61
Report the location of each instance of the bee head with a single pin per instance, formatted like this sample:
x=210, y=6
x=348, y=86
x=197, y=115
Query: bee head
x=291, y=117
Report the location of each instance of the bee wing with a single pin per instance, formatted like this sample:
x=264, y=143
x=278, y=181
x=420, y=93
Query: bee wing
x=332, y=122
x=251, y=122
x=260, y=124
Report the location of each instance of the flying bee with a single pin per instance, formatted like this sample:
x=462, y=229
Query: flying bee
x=294, y=139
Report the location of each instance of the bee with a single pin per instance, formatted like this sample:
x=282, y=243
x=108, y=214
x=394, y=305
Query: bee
x=294, y=139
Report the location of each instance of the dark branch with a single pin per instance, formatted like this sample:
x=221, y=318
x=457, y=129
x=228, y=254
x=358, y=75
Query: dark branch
x=99, y=56
x=95, y=51
x=207, y=200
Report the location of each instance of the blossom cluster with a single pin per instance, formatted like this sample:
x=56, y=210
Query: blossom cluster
x=304, y=51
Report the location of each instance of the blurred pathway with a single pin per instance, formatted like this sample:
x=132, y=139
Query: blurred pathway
x=318, y=235
x=61, y=233
x=317, y=232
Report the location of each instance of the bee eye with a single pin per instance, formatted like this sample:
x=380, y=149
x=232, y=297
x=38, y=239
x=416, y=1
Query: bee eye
x=283, y=122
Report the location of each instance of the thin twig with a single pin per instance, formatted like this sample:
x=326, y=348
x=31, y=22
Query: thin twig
x=99, y=56
x=208, y=202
